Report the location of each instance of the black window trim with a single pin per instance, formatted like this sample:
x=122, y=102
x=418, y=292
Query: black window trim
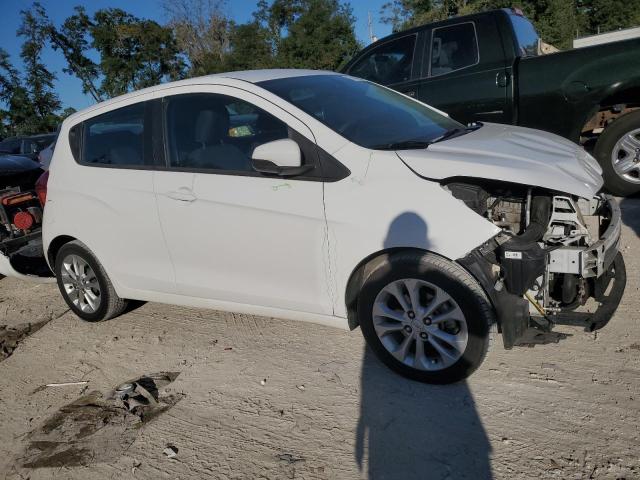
x=433, y=30
x=324, y=162
x=383, y=43
x=315, y=175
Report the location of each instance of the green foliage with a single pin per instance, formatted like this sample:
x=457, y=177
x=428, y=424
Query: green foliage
x=134, y=53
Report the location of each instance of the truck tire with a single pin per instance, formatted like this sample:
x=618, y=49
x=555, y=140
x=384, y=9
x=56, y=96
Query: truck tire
x=618, y=152
x=84, y=284
x=425, y=317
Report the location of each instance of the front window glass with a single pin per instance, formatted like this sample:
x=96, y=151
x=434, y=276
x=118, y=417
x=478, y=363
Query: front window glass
x=526, y=36
x=217, y=132
x=387, y=64
x=116, y=137
x=362, y=112
x=453, y=48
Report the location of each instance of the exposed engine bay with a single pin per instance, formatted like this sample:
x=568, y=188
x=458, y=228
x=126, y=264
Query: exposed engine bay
x=21, y=231
x=554, y=254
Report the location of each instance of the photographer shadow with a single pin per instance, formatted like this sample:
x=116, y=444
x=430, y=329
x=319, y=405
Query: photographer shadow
x=409, y=430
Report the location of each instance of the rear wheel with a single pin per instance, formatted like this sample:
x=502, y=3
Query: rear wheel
x=618, y=152
x=85, y=285
x=425, y=317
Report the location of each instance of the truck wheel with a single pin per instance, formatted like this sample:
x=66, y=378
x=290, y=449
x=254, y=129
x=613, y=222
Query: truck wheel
x=425, y=317
x=85, y=285
x=618, y=151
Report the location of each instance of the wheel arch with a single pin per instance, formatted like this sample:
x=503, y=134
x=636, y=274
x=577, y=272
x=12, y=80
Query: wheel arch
x=54, y=247
x=610, y=109
x=360, y=273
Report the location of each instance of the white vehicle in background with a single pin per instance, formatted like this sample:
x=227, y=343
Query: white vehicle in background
x=44, y=156
x=316, y=196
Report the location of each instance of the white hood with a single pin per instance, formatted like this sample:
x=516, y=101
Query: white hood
x=511, y=154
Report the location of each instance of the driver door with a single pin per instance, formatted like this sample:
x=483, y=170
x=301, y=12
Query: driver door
x=236, y=235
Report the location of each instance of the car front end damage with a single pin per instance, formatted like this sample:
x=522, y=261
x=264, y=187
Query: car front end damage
x=555, y=261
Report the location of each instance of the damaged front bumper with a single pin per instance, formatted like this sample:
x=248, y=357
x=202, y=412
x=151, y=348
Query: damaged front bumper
x=599, y=267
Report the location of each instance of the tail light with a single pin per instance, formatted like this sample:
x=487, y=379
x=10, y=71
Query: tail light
x=41, y=187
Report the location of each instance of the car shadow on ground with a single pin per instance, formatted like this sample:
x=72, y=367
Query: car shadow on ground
x=412, y=430
x=630, y=207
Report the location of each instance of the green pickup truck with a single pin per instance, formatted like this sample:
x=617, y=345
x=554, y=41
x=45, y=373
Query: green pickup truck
x=493, y=67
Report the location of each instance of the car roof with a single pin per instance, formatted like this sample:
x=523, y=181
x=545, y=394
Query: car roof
x=250, y=76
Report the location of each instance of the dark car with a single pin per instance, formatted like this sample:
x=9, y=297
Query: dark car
x=493, y=67
x=28, y=146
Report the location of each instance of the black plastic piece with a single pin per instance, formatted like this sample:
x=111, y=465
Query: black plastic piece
x=474, y=196
x=270, y=168
x=512, y=311
x=521, y=265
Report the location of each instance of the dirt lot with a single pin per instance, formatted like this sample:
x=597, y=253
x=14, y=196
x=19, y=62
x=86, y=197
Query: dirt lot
x=264, y=398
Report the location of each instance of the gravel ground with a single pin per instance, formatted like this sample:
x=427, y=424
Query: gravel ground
x=264, y=398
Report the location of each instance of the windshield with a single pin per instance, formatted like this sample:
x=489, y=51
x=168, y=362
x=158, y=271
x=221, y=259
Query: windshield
x=363, y=112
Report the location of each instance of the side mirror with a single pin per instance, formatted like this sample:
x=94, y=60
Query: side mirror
x=280, y=157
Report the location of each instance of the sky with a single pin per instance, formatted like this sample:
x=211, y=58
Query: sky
x=69, y=88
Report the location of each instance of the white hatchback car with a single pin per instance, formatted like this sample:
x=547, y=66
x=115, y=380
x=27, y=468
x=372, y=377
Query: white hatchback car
x=320, y=197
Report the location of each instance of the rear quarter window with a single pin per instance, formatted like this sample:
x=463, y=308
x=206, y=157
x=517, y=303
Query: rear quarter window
x=115, y=138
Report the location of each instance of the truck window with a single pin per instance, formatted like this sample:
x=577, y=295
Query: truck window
x=453, y=48
x=526, y=36
x=388, y=63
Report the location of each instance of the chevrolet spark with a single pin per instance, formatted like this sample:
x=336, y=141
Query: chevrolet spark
x=320, y=197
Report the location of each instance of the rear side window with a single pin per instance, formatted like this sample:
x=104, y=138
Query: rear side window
x=115, y=138
x=453, y=48
x=526, y=36
x=217, y=132
x=387, y=64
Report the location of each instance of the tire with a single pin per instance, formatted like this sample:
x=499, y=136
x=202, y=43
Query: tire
x=428, y=273
x=74, y=257
x=608, y=145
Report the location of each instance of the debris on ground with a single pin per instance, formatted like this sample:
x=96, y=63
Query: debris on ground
x=65, y=384
x=289, y=458
x=99, y=427
x=300, y=387
x=10, y=337
x=171, y=451
x=263, y=382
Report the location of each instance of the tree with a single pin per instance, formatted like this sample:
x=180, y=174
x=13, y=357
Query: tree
x=73, y=40
x=202, y=31
x=315, y=34
x=39, y=80
x=250, y=47
x=134, y=53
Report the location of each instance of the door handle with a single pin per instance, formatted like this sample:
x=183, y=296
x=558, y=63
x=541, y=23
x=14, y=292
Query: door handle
x=182, y=195
x=502, y=79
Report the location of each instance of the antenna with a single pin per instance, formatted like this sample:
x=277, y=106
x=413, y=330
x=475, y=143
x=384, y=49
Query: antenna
x=372, y=37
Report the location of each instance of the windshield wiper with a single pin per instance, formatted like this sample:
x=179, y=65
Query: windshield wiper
x=406, y=145
x=420, y=144
x=456, y=132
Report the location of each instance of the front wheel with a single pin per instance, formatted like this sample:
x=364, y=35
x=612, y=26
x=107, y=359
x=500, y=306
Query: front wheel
x=84, y=284
x=425, y=317
x=618, y=152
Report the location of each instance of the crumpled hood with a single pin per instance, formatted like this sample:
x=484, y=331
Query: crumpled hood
x=511, y=154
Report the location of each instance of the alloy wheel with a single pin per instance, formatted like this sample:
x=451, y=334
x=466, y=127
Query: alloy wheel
x=625, y=156
x=420, y=324
x=80, y=283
